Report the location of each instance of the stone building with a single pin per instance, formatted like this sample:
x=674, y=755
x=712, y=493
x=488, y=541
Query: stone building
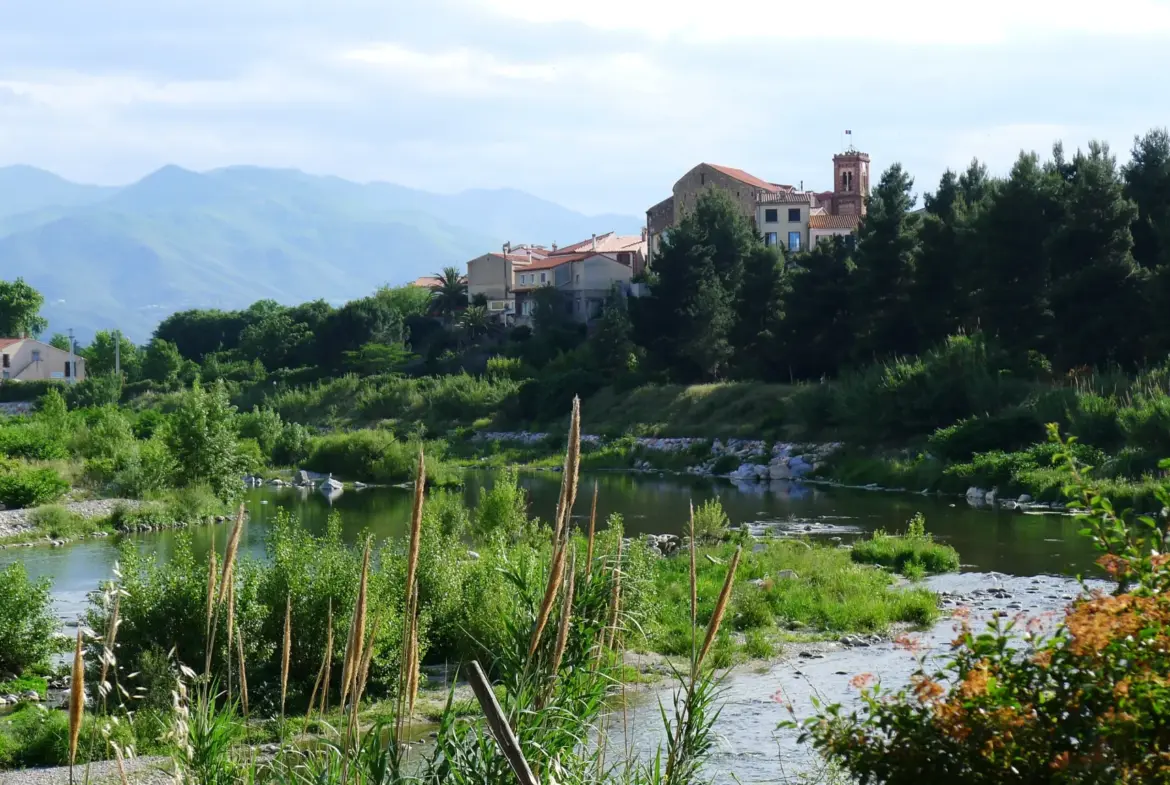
x=782, y=213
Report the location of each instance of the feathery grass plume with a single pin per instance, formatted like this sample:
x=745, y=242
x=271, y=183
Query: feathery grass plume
x=569, y=476
x=76, y=701
x=357, y=631
x=231, y=629
x=556, y=574
x=326, y=664
x=367, y=655
x=243, y=673
x=413, y=664
x=563, y=627
x=406, y=675
x=229, y=555
x=592, y=522
x=720, y=608
x=211, y=586
x=108, y=645
x=285, y=653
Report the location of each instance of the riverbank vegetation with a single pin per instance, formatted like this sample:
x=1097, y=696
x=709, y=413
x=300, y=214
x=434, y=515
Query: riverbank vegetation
x=749, y=602
x=1087, y=702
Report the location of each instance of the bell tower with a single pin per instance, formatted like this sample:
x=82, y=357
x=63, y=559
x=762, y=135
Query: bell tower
x=850, y=182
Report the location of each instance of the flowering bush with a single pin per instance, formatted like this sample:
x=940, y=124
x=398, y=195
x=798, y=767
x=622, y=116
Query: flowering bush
x=1089, y=703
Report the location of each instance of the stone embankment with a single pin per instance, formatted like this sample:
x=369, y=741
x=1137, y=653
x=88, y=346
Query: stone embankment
x=753, y=459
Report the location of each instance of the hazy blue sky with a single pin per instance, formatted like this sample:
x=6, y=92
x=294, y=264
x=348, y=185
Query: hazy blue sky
x=597, y=104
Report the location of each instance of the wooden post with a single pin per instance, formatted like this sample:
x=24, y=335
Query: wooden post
x=499, y=725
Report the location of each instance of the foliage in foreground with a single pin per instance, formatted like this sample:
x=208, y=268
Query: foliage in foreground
x=1089, y=703
x=26, y=621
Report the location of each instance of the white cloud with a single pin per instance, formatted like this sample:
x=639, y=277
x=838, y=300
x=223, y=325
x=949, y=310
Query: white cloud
x=945, y=23
x=456, y=70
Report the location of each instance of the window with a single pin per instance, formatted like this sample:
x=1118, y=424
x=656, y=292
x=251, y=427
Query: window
x=770, y=238
x=770, y=216
x=526, y=308
x=36, y=356
x=7, y=362
x=702, y=179
x=544, y=278
x=623, y=257
x=793, y=215
x=67, y=369
x=5, y=376
x=794, y=241
x=496, y=305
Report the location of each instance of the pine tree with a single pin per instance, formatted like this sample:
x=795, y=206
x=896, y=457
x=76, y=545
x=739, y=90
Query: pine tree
x=816, y=333
x=886, y=249
x=687, y=320
x=759, y=312
x=1096, y=287
x=1009, y=266
x=1147, y=184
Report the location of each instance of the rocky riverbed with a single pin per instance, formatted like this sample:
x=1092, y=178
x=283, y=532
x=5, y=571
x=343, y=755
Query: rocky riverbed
x=14, y=523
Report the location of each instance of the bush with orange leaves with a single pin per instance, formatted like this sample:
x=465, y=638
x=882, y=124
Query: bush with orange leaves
x=1088, y=704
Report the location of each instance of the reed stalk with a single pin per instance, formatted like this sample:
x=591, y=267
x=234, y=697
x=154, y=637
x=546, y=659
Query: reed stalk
x=243, y=673
x=720, y=608
x=285, y=655
x=357, y=632
x=555, y=575
x=229, y=561
x=326, y=664
x=694, y=591
x=76, y=701
x=408, y=667
x=614, y=602
x=592, y=524
x=563, y=627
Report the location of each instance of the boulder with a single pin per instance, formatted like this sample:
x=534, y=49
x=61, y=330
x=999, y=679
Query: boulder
x=1024, y=499
x=787, y=575
x=31, y=695
x=779, y=470
x=473, y=555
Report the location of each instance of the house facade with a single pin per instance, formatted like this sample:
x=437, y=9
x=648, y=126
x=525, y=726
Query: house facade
x=782, y=219
x=26, y=360
x=582, y=273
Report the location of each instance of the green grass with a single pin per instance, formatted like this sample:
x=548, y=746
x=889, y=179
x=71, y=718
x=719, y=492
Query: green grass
x=23, y=684
x=831, y=594
x=911, y=554
x=729, y=409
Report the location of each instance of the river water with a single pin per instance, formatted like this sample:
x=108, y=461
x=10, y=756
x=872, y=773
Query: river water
x=1032, y=557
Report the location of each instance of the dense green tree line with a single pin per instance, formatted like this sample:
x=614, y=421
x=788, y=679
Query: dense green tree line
x=1068, y=258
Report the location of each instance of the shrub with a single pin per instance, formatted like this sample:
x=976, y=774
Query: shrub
x=757, y=646
x=202, y=438
x=373, y=455
x=95, y=391
x=1146, y=424
x=27, y=623
x=27, y=486
x=915, y=547
x=292, y=446
x=711, y=521
x=1094, y=420
x=58, y=522
x=33, y=441
x=503, y=508
x=1008, y=430
x=1088, y=703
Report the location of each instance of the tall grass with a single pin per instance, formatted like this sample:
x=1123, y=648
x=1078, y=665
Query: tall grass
x=915, y=551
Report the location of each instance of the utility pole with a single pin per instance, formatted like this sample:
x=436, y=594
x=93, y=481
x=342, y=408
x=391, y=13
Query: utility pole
x=72, y=362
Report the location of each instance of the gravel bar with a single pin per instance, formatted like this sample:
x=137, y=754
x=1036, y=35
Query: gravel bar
x=140, y=771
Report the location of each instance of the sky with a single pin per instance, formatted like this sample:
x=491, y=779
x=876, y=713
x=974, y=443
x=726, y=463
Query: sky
x=598, y=105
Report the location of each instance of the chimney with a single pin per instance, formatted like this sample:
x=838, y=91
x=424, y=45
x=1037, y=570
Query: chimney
x=802, y=186
x=645, y=234
x=594, y=247
x=554, y=247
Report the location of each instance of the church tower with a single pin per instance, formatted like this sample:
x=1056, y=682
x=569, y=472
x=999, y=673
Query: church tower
x=850, y=182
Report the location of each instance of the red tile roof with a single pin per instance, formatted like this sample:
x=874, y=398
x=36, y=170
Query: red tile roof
x=6, y=342
x=850, y=222
x=555, y=261
x=744, y=177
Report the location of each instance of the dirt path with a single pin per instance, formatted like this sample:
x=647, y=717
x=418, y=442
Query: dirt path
x=139, y=771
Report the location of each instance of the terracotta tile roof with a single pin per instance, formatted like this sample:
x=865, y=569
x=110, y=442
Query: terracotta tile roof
x=849, y=222
x=6, y=342
x=786, y=197
x=425, y=282
x=554, y=261
x=817, y=211
x=744, y=177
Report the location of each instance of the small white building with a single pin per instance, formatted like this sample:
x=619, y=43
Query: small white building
x=27, y=359
x=782, y=218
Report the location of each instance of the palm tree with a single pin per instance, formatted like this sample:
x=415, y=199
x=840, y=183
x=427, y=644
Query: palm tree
x=475, y=322
x=449, y=295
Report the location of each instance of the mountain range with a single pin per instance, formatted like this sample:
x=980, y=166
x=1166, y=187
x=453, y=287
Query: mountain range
x=125, y=257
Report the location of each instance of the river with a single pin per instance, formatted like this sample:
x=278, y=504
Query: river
x=1033, y=556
